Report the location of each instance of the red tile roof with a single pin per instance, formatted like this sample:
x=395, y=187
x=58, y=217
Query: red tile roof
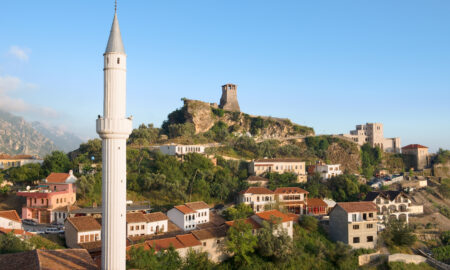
x=184, y=209
x=61, y=259
x=15, y=231
x=84, y=224
x=250, y=221
x=267, y=215
x=157, y=216
x=290, y=190
x=136, y=218
x=197, y=205
x=352, y=207
x=414, y=146
x=188, y=240
x=165, y=243
x=57, y=177
x=265, y=160
x=316, y=202
x=11, y=215
x=257, y=190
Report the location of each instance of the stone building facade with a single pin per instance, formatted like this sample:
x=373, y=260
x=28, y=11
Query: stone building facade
x=372, y=133
x=229, y=101
x=355, y=224
x=419, y=155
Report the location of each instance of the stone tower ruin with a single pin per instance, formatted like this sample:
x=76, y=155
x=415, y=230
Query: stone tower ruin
x=229, y=101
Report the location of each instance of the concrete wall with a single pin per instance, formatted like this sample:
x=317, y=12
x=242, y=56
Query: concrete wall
x=406, y=258
x=9, y=224
x=369, y=258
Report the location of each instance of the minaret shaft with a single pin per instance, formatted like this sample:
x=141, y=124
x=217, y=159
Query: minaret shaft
x=114, y=129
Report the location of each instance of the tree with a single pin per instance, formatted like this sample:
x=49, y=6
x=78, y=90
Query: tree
x=26, y=173
x=9, y=243
x=398, y=233
x=92, y=148
x=197, y=261
x=239, y=211
x=241, y=242
x=273, y=241
x=309, y=222
x=169, y=259
x=57, y=161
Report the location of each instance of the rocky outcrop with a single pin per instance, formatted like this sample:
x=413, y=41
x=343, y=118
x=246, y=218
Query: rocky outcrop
x=442, y=170
x=205, y=115
x=345, y=153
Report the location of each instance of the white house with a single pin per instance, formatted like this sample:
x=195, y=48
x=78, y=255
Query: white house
x=180, y=150
x=259, y=198
x=156, y=223
x=9, y=219
x=82, y=230
x=328, y=171
x=189, y=215
x=136, y=224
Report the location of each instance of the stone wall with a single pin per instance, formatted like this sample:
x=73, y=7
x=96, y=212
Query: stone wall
x=369, y=258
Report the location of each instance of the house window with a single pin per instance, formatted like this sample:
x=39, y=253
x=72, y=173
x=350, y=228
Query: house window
x=371, y=215
x=42, y=201
x=204, y=244
x=142, y=227
x=353, y=217
x=369, y=238
x=96, y=237
x=355, y=240
x=355, y=227
x=118, y=60
x=91, y=238
x=132, y=228
x=218, y=241
x=364, y=216
x=82, y=239
x=369, y=226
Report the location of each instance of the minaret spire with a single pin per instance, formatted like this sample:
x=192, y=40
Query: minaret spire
x=114, y=128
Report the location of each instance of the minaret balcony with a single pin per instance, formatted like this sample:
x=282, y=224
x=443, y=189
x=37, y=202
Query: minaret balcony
x=109, y=128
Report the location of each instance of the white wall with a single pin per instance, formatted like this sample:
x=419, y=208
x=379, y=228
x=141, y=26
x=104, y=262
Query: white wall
x=162, y=226
x=9, y=224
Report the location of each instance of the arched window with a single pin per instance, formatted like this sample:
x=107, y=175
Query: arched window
x=118, y=60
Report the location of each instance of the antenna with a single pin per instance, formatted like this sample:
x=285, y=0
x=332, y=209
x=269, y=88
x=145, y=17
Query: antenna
x=115, y=6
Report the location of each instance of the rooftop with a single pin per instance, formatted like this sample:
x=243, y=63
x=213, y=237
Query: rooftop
x=84, y=224
x=414, y=146
x=191, y=207
x=388, y=194
x=157, y=216
x=11, y=215
x=61, y=259
x=257, y=190
x=316, y=202
x=352, y=207
x=57, y=177
x=271, y=160
x=250, y=221
x=290, y=190
x=210, y=233
x=136, y=218
x=268, y=215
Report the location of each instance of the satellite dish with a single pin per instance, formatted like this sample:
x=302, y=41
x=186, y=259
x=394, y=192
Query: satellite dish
x=28, y=188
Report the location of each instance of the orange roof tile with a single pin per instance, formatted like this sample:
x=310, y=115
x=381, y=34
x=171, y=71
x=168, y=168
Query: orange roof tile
x=136, y=218
x=279, y=160
x=351, y=207
x=157, y=216
x=257, y=190
x=197, y=205
x=165, y=243
x=267, y=215
x=57, y=177
x=250, y=221
x=15, y=231
x=85, y=223
x=316, y=202
x=11, y=215
x=184, y=209
x=290, y=190
x=61, y=259
x=188, y=240
x=414, y=146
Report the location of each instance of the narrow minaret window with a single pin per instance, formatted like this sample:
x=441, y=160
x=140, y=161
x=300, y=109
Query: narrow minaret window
x=118, y=60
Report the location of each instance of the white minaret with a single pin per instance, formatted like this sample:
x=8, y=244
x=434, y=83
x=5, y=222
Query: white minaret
x=114, y=129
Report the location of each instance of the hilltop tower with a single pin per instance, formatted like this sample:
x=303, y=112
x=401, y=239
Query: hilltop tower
x=229, y=100
x=114, y=129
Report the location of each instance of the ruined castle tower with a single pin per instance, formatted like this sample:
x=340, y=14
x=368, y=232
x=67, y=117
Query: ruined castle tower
x=229, y=101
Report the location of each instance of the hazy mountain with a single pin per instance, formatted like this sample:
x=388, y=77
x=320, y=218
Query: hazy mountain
x=18, y=136
x=63, y=140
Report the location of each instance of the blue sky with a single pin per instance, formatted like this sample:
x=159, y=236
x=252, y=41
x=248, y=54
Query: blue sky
x=326, y=64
